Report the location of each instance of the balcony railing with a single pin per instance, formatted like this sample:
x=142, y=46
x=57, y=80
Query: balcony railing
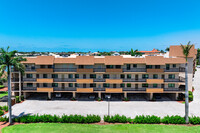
x=99, y=69
x=134, y=70
x=134, y=80
x=65, y=69
x=175, y=70
x=174, y=89
x=99, y=80
x=174, y=80
x=134, y=89
x=64, y=89
x=99, y=89
x=29, y=79
x=29, y=88
x=64, y=80
x=15, y=79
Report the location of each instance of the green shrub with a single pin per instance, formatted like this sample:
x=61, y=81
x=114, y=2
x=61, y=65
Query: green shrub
x=56, y=119
x=17, y=99
x=22, y=97
x=2, y=86
x=5, y=108
x=147, y=119
x=73, y=99
x=126, y=99
x=173, y=120
x=194, y=120
x=99, y=99
x=117, y=119
x=4, y=119
x=190, y=96
x=1, y=112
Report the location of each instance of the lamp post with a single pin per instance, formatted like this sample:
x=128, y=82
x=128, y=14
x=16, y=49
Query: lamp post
x=108, y=96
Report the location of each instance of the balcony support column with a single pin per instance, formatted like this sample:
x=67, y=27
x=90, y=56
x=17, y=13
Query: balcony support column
x=176, y=96
x=151, y=96
x=74, y=94
x=125, y=94
x=25, y=96
x=20, y=86
x=49, y=95
x=99, y=94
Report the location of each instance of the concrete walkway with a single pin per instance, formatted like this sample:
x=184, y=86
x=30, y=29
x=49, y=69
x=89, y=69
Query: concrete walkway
x=130, y=109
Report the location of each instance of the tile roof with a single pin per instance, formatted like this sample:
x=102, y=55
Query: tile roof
x=154, y=60
x=176, y=51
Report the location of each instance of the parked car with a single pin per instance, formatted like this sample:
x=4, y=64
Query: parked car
x=58, y=94
x=91, y=97
x=157, y=96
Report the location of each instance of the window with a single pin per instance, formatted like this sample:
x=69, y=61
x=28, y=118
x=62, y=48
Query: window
x=29, y=84
x=84, y=76
x=44, y=75
x=136, y=86
x=76, y=76
x=114, y=86
x=29, y=75
x=81, y=66
x=128, y=85
x=54, y=75
x=106, y=85
x=42, y=66
x=109, y=66
x=145, y=76
x=106, y=76
x=84, y=85
x=171, y=76
x=45, y=85
x=54, y=84
x=122, y=85
x=93, y=85
x=93, y=76
x=122, y=76
x=155, y=85
x=50, y=66
x=171, y=85
x=167, y=66
x=70, y=76
x=155, y=76
x=76, y=85
x=70, y=84
x=149, y=66
x=128, y=66
x=118, y=66
x=128, y=76
x=157, y=66
x=37, y=76
x=174, y=65
x=145, y=85
x=134, y=65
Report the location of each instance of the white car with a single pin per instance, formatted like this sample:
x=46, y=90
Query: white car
x=58, y=94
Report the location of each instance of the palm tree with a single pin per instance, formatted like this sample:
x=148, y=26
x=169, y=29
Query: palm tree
x=135, y=53
x=8, y=60
x=186, y=51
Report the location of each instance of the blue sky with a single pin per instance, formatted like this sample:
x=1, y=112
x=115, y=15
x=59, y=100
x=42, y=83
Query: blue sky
x=98, y=25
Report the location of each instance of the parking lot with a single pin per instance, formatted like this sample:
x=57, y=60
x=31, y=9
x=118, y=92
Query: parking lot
x=130, y=108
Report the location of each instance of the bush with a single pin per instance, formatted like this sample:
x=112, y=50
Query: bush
x=99, y=99
x=4, y=119
x=194, y=120
x=5, y=108
x=73, y=99
x=57, y=119
x=17, y=99
x=22, y=97
x=2, y=86
x=126, y=99
x=1, y=112
x=147, y=119
x=173, y=120
x=117, y=119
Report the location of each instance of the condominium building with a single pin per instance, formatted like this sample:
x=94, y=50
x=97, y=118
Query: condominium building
x=100, y=75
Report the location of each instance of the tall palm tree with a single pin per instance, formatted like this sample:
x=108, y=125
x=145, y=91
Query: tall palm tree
x=135, y=53
x=8, y=60
x=186, y=51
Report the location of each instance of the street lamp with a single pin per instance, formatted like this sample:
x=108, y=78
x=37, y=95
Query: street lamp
x=108, y=96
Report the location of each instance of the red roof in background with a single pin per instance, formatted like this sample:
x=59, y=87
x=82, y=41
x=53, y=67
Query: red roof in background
x=153, y=51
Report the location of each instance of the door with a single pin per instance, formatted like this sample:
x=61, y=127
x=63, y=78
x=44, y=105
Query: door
x=63, y=86
x=136, y=86
x=136, y=77
x=84, y=76
x=162, y=86
x=163, y=76
x=114, y=86
x=38, y=76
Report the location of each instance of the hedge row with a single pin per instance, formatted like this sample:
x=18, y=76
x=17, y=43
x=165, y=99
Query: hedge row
x=55, y=119
x=151, y=119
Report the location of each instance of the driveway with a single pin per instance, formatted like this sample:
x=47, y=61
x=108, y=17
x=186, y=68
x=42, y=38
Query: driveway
x=130, y=109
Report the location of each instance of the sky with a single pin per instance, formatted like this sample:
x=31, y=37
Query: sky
x=98, y=25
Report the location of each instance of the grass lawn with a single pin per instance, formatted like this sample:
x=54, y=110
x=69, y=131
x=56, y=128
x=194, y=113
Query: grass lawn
x=90, y=128
x=3, y=93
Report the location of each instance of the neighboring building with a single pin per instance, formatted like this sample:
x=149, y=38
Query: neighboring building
x=116, y=54
x=153, y=52
x=100, y=75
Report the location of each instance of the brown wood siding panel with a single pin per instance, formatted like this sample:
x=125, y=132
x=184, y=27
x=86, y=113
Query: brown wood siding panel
x=85, y=70
x=84, y=89
x=155, y=81
x=44, y=69
x=158, y=90
x=44, y=89
x=45, y=80
x=114, y=81
x=155, y=70
x=113, y=90
x=114, y=70
x=84, y=80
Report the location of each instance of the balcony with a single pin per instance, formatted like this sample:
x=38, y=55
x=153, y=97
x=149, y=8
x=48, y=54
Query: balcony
x=30, y=70
x=134, y=70
x=29, y=88
x=99, y=89
x=45, y=80
x=99, y=69
x=99, y=80
x=113, y=90
x=44, y=89
x=64, y=80
x=174, y=80
x=64, y=69
x=15, y=79
x=174, y=89
x=85, y=70
x=155, y=81
x=155, y=70
x=29, y=79
x=134, y=80
x=85, y=90
x=64, y=89
x=108, y=70
x=181, y=69
x=84, y=80
x=134, y=89
x=44, y=70
x=114, y=81
x=154, y=90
